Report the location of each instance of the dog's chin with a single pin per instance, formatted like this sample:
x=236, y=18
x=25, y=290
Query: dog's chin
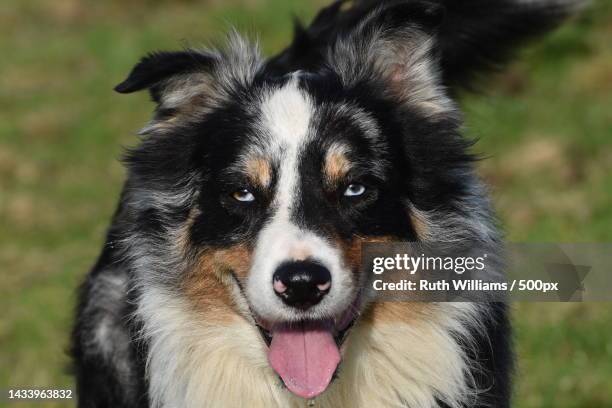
x=306, y=353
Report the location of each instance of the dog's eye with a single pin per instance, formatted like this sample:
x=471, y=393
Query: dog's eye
x=354, y=190
x=243, y=195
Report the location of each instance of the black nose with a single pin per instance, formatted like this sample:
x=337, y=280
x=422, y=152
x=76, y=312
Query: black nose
x=301, y=284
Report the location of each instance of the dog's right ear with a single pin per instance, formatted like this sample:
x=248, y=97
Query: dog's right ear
x=189, y=83
x=168, y=73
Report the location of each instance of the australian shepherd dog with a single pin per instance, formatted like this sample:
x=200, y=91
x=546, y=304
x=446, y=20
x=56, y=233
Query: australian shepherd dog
x=230, y=275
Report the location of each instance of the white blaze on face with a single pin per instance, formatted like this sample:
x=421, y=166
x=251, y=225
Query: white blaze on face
x=286, y=118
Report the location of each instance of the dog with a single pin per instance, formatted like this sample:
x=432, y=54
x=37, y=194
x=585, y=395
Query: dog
x=231, y=274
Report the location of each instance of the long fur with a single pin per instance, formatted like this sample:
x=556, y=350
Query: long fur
x=473, y=36
x=171, y=315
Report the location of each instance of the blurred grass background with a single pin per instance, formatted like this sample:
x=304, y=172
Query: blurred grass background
x=545, y=125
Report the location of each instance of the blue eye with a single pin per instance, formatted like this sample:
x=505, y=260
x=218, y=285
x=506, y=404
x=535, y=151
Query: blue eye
x=354, y=190
x=243, y=195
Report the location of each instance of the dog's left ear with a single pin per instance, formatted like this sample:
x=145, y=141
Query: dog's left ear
x=394, y=46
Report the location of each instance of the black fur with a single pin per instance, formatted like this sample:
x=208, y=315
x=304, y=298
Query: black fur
x=98, y=382
x=473, y=36
x=156, y=67
x=186, y=162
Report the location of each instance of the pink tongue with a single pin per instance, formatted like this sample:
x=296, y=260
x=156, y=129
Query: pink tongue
x=305, y=359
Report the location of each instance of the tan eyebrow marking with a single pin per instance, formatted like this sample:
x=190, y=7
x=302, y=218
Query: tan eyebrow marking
x=337, y=164
x=259, y=171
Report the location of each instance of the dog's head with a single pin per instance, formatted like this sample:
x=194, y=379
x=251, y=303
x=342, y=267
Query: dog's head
x=252, y=192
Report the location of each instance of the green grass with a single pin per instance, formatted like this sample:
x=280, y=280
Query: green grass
x=546, y=125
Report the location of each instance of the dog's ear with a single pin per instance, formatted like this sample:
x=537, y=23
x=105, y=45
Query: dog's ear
x=473, y=38
x=397, y=15
x=180, y=82
x=394, y=46
x=189, y=83
x=158, y=70
x=310, y=44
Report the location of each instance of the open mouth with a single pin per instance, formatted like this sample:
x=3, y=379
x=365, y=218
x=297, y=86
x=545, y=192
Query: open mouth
x=306, y=354
x=339, y=335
